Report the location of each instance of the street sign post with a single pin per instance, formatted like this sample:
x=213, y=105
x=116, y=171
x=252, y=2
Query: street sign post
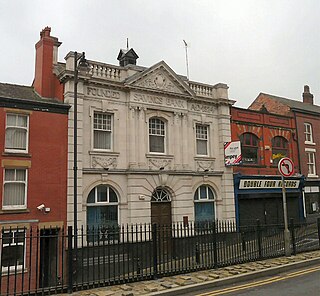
x=286, y=169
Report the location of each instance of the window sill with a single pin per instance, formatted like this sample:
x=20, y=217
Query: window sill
x=103, y=152
x=16, y=154
x=159, y=155
x=14, y=211
x=312, y=176
x=309, y=143
x=13, y=270
x=204, y=157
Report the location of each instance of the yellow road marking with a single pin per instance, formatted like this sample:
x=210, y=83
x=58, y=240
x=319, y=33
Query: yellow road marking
x=260, y=283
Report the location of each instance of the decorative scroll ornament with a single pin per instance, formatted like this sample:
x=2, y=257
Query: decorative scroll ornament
x=156, y=163
x=205, y=165
x=159, y=81
x=104, y=162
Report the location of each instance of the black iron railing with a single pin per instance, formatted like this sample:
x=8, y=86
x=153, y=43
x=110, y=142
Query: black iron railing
x=44, y=261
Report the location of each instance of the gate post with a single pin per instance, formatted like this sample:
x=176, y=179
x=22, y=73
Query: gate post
x=259, y=238
x=318, y=223
x=293, y=238
x=155, y=250
x=70, y=261
x=214, y=242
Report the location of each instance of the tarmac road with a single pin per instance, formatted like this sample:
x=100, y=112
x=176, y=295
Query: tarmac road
x=302, y=282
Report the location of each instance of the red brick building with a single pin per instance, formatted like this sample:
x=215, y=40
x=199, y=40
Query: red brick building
x=307, y=120
x=265, y=139
x=33, y=174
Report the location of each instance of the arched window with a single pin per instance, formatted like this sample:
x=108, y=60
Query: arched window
x=102, y=211
x=279, y=149
x=160, y=195
x=204, y=204
x=249, y=148
x=157, y=135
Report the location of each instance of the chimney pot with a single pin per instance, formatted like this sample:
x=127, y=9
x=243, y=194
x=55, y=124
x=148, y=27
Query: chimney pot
x=307, y=96
x=45, y=32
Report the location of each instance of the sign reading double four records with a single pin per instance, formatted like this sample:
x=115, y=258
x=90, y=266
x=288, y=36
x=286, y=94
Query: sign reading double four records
x=286, y=167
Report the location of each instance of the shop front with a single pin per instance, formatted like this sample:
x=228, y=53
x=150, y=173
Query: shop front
x=260, y=197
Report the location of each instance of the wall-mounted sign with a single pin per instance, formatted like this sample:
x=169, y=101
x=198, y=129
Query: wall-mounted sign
x=232, y=153
x=265, y=184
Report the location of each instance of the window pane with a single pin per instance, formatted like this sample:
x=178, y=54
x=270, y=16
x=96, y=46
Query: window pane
x=204, y=211
x=16, y=138
x=102, y=194
x=156, y=144
x=91, y=197
x=14, y=194
x=102, y=140
x=112, y=196
x=203, y=192
x=12, y=255
x=7, y=237
x=9, y=175
x=20, y=175
x=11, y=120
x=156, y=127
x=202, y=147
x=22, y=121
x=19, y=237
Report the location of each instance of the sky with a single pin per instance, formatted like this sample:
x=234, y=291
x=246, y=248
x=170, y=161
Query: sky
x=270, y=46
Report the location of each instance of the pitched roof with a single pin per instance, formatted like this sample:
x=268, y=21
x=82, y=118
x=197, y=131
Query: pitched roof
x=293, y=104
x=22, y=92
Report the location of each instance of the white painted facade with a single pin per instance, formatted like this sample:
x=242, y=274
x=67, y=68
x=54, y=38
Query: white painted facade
x=132, y=95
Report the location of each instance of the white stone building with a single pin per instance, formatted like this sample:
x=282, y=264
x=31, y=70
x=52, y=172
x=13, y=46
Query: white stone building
x=150, y=145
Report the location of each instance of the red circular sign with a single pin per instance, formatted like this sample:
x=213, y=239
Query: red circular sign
x=286, y=167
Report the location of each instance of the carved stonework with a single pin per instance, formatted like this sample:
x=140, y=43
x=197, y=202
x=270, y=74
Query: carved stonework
x=205, y=165
x=157, y=163
x=159, y=80
x=104, y=162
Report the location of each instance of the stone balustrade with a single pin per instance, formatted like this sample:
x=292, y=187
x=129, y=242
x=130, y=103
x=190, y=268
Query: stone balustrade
x=202, y=90
x=105, y=71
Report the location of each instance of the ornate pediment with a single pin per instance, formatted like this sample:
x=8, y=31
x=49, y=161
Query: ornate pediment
x=160, y=77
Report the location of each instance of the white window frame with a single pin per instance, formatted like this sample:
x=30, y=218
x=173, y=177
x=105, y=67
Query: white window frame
x=25, y=182
x=104, y=130
x=202, y=137
x=308, y=133
x=311, y=162
x=12, y=243
x=158, y=135
x=14, y=150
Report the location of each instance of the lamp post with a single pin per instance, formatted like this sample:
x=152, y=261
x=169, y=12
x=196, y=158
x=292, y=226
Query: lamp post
x=80, y=65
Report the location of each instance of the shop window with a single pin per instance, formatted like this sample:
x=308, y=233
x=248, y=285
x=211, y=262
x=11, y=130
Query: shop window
x=279, y=149
x=15, y=189
x=102, y=131
x=12, y=250
x=204, y=208
x=16, y=139
x=249, y=148
x=157, y=135
x=312, y=203
x=202, y=139
x=308, y=133
x=102, y=213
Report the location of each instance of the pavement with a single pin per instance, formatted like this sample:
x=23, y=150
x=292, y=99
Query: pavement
x=196, y=281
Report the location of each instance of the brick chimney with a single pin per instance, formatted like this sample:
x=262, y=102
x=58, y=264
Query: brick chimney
x=45, y=82
x=307, y=96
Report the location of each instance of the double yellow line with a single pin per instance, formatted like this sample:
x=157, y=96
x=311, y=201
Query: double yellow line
x=260, y=283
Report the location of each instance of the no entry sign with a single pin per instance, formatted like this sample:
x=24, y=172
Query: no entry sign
x=286, y=167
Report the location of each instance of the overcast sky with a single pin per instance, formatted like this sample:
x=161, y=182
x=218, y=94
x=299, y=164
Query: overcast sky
x=254, y=46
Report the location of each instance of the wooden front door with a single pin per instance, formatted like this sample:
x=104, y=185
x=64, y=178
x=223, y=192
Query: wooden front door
x=161, y=213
